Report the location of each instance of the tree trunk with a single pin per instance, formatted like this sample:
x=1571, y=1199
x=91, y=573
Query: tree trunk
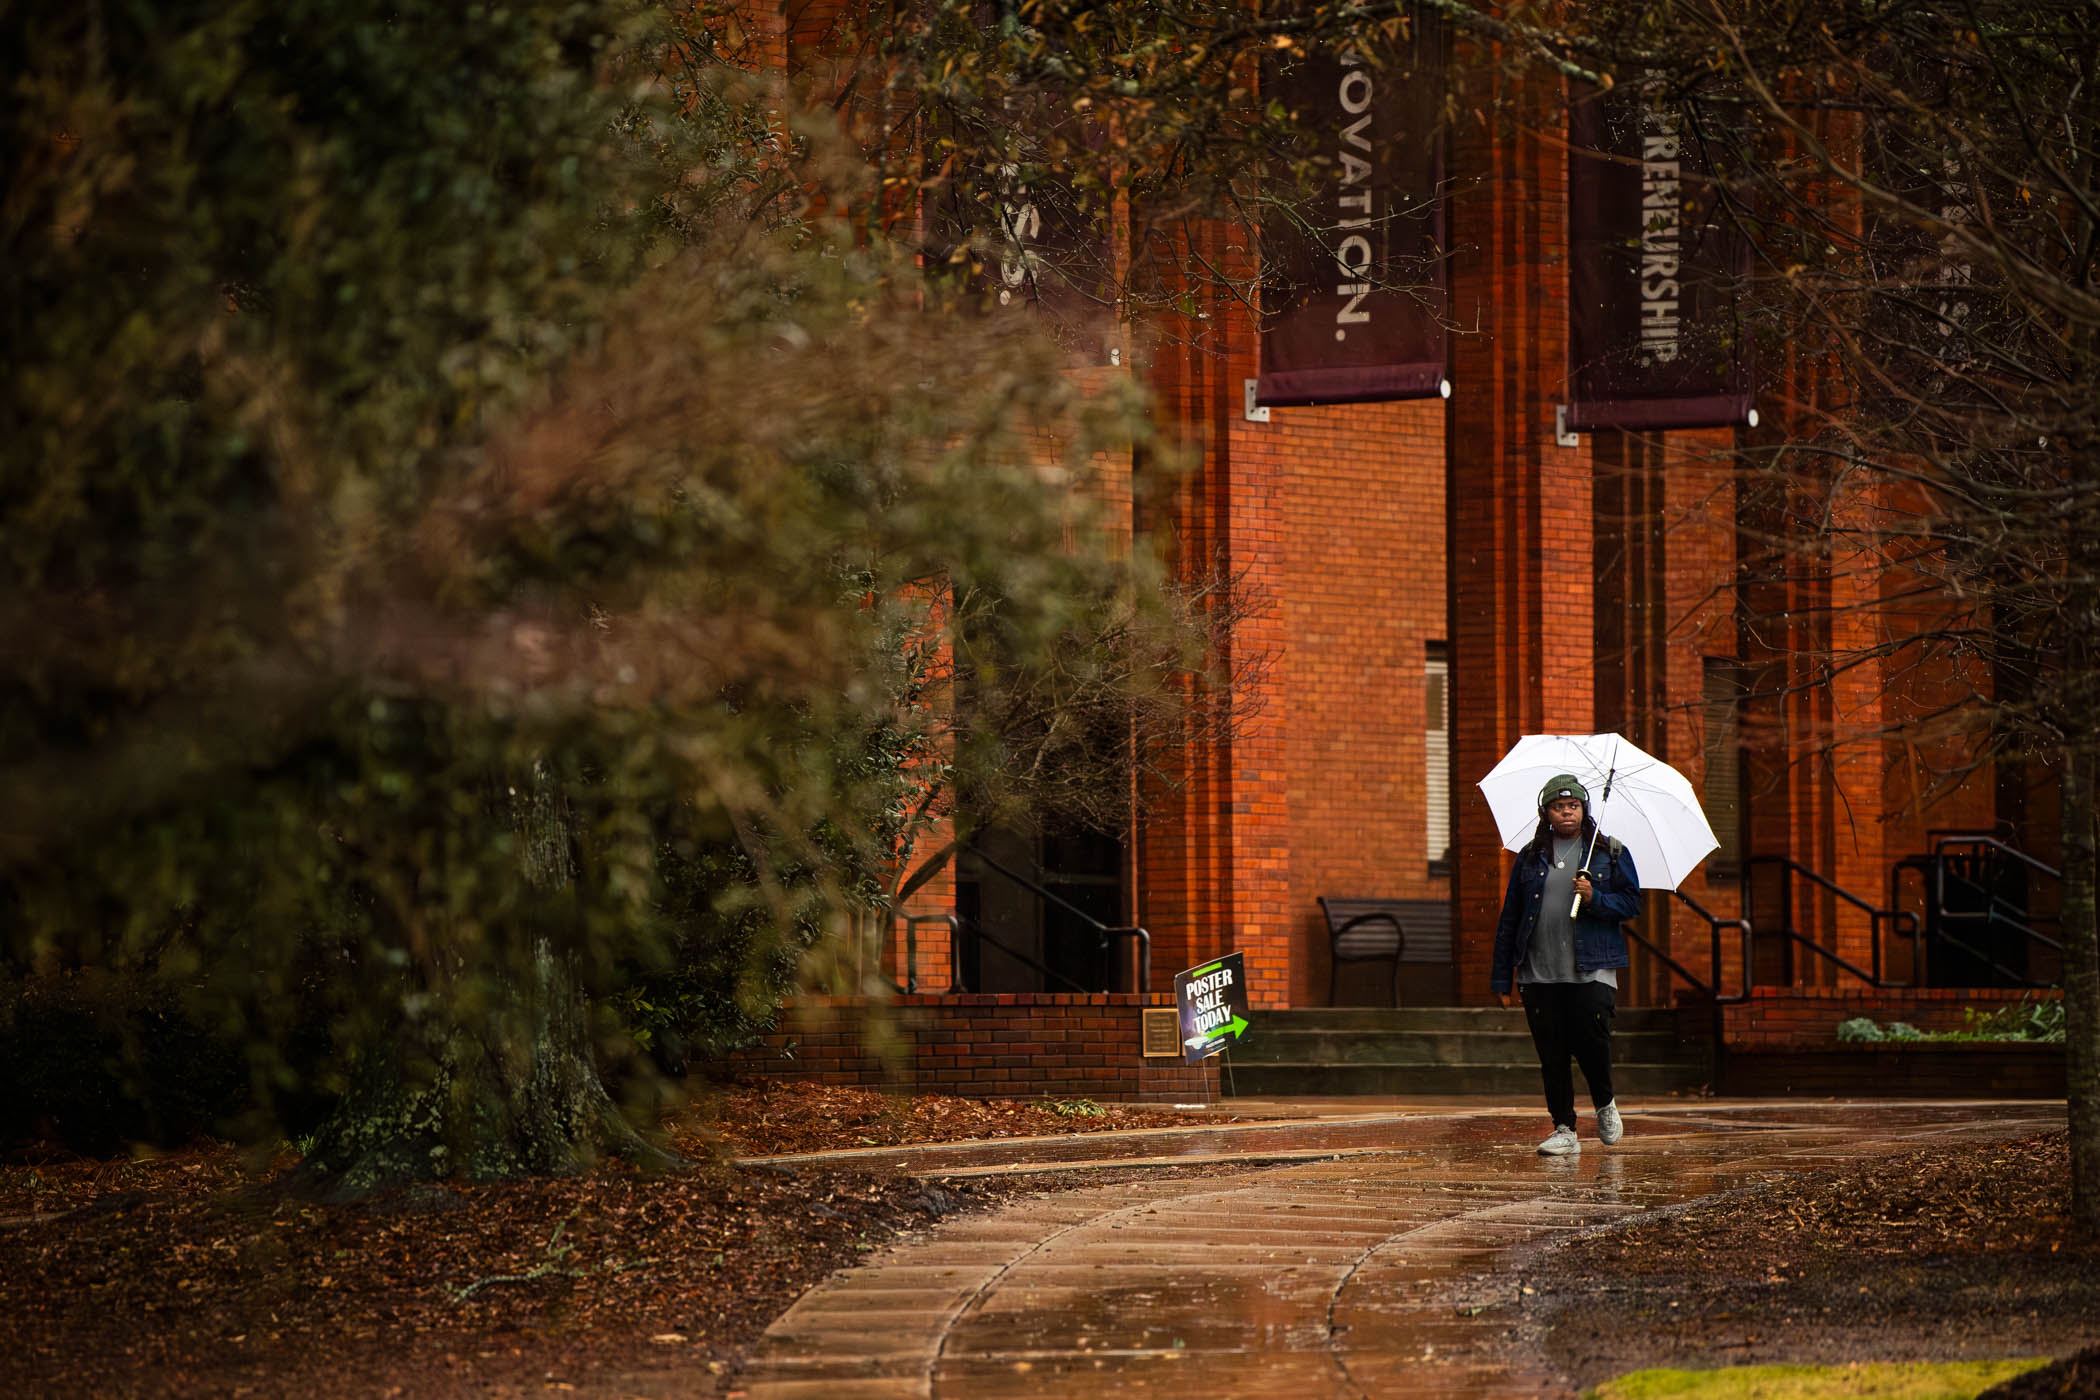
x=457, y=1101
x=2081, y=934
x=505, y=1092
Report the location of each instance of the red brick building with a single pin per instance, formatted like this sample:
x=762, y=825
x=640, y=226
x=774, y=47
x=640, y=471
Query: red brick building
x=1440, y=576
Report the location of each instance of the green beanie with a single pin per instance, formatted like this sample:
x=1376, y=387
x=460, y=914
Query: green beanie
x=1563, y=785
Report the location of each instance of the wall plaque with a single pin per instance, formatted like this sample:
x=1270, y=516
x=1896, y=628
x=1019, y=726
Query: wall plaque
x=1160, y=1031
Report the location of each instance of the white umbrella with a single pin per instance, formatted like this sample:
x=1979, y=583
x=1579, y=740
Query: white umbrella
x=1635, y=796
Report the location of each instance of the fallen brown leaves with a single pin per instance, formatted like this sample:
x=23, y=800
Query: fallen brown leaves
x=429, y=1290
x=760, y=1117
x=1995, y=1198
x=194, y=1273
x=40, y=1182
x=2072, y=1378
x=1952, y=1252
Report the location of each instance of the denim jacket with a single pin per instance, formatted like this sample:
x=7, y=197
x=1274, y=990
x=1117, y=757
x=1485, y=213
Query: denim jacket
x=1598, y=939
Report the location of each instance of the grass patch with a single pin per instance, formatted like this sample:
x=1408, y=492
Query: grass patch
x=1923, y=1380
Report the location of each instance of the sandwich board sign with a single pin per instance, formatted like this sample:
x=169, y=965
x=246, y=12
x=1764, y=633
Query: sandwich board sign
x=1213, y=1004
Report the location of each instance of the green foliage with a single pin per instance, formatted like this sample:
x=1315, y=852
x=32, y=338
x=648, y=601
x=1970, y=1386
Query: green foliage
x=1077, y=1108
x=1866, y=1029
x=716, y=985
x=2041, y=1021
x=2023, y=1020
x=96, y=1061
x=460, y=536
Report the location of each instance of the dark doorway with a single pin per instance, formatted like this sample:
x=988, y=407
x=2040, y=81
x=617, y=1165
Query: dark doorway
x=1038, y=915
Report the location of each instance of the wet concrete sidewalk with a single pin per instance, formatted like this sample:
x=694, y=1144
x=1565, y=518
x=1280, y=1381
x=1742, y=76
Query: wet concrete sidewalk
x=1359, y=1256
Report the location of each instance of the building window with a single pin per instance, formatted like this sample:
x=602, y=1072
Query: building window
x=1436, y=753
x=1721, y=792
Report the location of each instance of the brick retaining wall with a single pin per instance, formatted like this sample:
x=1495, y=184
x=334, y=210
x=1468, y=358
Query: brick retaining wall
x=1900, y=1070
x=1006, y=1045
x=1783, y=1041
x=1022, y=1045
x=1808, y=1017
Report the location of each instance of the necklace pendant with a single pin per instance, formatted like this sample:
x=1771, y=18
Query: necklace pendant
x=1560, y=865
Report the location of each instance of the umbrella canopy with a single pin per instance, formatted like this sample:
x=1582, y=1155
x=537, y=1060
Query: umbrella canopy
x=1634, y=796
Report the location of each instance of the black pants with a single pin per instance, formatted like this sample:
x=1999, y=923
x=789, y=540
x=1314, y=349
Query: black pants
x=1571, y=1018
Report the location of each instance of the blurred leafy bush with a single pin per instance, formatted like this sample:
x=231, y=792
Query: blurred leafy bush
x=99, y=1061
x=2028, y=1019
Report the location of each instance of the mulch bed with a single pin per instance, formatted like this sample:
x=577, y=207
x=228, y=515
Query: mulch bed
x=195, y=1273
x=763, y=1117
x=1948, y=1253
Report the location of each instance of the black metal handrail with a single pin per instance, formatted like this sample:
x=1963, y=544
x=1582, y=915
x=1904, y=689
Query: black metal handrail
x=1941, y=840
x=1872, y=979
x=1996, y=913
x=1105, y=935
x=1896, y=920
x=955, y=957
x=1655, y=951
x=911, y=943
x=1714, y=924
x=1716, y=998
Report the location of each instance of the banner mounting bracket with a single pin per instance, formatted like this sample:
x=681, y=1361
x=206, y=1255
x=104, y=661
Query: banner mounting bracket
x=1563, y=435
x=1254, y=412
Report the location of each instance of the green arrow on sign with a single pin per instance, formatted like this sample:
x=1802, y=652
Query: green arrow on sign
x=1236, y=1027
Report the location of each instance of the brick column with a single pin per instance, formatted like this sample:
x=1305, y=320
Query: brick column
x=1181, y=858
x=1260, y=916
x=1214, y=859
x=1628, y=674
x=1698, y=486
x=1520, y=527
x=1859, y=715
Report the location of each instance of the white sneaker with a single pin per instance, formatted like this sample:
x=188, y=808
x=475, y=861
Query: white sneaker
x=1562, y=1143
x=1609, y=1128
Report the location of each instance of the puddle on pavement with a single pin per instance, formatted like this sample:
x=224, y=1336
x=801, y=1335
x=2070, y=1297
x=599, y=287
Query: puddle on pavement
x=1366, y=1275
x=1442, y=1136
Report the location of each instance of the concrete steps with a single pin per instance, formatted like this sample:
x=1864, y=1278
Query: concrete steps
x=1447, y=1050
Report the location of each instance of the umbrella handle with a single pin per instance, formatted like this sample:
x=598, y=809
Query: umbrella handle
x=1576, y=907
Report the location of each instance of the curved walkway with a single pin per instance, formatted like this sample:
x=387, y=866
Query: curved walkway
x=1366, y=1268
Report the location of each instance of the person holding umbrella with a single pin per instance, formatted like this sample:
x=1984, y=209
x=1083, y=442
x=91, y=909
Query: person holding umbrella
x=1559, y=939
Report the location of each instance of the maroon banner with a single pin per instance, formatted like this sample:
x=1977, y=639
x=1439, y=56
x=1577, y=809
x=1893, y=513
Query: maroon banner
x=1353, y=279
x=1050, y=248
x=1034, y=235
x=1654, y=270
x=1942, y=326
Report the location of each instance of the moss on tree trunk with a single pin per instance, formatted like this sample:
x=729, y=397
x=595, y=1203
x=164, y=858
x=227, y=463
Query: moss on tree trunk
x=512, y=1092
x=507, y=1099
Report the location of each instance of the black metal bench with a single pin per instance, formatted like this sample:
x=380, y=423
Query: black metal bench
x=1396, y=931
